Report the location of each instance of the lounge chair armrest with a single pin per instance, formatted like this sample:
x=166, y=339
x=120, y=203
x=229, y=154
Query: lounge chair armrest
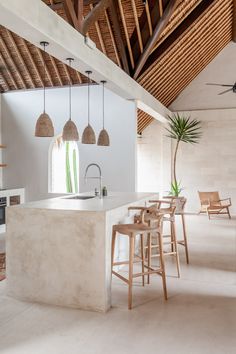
x=229, y=199
x=226, y=200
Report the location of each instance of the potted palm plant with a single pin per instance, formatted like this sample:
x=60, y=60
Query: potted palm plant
x=181, y=129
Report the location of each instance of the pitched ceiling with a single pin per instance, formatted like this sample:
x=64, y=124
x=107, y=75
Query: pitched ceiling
x=163, y=44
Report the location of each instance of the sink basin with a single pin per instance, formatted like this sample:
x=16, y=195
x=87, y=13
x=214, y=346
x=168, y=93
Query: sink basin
x=81, y=197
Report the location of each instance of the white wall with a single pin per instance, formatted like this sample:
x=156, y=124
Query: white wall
x=27, y=156
x=210, y=165
x=154, y=159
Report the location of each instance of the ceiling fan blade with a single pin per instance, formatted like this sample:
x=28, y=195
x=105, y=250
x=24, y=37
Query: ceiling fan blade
x=221, y=93
x=219, y=85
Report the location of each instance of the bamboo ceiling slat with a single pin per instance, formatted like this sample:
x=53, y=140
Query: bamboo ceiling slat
x=186, y=58
x=9, y=74
x=126, y=33
x=21, y=60
x=164, y=73
x=186, y=40
x=12, y=66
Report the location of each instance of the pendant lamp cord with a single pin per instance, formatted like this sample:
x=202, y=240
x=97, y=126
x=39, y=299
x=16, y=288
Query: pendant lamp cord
x=103, y=102
x=88, y=98
x=44, y=72
x=70, y=83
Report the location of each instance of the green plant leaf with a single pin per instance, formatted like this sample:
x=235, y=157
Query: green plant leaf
x=184, y=129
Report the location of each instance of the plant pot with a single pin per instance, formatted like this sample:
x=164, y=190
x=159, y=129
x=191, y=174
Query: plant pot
x=179, y=202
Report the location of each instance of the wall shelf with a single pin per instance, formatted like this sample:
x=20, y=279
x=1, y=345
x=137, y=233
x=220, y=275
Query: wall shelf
x=2, y=146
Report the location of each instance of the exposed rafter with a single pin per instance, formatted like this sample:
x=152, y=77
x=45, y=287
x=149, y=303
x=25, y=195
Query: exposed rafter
x=121, y=46
x=94, y=15
x=234, y=21
x=71, y=14
x=112, y=38
x=156, y=33
x=126, y=33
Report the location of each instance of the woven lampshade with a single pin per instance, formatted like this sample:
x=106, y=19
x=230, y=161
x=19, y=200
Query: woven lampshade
x=88, y=136
x=44, y=127
x=70, y=131
x=103, y=139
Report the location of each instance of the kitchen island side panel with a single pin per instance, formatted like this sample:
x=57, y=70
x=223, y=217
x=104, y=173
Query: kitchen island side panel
x=57, y=257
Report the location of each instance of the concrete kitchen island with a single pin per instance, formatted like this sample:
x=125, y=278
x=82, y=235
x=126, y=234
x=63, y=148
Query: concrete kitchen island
x=59, y=250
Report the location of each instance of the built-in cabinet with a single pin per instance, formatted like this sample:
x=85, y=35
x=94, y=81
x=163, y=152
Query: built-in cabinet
x=9, y=197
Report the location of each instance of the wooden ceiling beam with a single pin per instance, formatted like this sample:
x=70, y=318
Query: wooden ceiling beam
x=161, y=7
x=96, y=24
x=94, y=15
x=186, y=53
x=234, y=22
x=203, y=6
x=185, y=82
x=3, y=44
x=156, y=34
x=24, y=65
x=112, y=38
x=174, y=26
x=126, y=33
x=114, y=16
x=147, y=9
x=71, y=14
x=137, y=25
x=79, y=7
x=210, y=50
x=14, y=83
x=151, y=12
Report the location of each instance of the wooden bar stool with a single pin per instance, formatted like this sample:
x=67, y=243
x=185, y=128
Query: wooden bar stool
x=131, y=231
x=180, y=212
x=169, y=217
x=151, y=218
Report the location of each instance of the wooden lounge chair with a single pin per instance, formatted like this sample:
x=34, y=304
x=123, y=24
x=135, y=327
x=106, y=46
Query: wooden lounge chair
x=212, y=204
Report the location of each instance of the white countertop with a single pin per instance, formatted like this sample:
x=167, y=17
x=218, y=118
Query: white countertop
x=112, y=201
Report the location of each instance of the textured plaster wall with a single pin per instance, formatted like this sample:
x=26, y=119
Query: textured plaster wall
x=153, y=162
x=210, y=165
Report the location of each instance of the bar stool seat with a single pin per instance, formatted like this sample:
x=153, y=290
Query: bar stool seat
x=131, y=231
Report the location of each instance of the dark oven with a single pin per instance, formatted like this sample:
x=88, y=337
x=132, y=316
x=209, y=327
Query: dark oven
x=3, y=204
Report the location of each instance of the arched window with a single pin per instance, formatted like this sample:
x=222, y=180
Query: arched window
x=64, y=166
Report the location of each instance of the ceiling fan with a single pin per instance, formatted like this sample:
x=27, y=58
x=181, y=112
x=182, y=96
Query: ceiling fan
x=232, y=87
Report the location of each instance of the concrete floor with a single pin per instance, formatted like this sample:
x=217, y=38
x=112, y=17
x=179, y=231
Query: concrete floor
x=199, y=316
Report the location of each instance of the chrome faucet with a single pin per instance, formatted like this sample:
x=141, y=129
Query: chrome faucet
x=99, y=177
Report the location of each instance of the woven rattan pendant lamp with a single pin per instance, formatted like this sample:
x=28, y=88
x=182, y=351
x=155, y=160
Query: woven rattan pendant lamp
x=70, y=132
x=103, y=138
x=88, y=136
x=44, y=127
